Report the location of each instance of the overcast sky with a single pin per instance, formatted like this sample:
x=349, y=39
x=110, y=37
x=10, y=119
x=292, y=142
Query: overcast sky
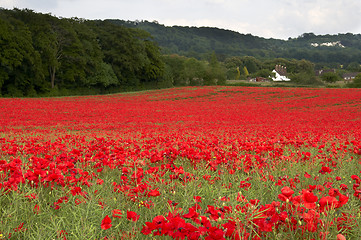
x=265, y=18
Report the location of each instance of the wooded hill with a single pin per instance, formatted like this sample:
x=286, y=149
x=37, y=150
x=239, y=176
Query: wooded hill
x=195, y=42
x=42, y=55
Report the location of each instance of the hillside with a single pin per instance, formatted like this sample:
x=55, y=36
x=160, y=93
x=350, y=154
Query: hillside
x=42, y=55
x=195, y=42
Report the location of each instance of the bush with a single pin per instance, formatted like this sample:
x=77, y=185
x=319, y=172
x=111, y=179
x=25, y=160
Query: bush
x=305, y=79
x=356, y=82
x=31, y=92
x=330, y=77
x=13, y=91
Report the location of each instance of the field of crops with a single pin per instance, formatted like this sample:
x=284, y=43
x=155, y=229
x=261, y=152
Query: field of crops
x=183, y=163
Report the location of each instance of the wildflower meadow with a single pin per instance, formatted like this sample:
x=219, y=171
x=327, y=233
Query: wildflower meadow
x=183, y=163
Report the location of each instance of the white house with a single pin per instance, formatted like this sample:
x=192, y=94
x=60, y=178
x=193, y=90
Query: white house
x=280, y=74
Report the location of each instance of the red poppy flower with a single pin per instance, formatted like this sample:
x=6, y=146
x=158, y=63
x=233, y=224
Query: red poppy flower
x=296, y=200
x=342, y=200
x=343, y=187
x=325, y=170
x=340, y=237
x=215, y=233
x=311, y=218
x=153, y=193
x=192, y=215
x=286, y=194
x=356, y=178
x=214, y=212
x=327, y=203
x=172, y=203
x=307, y=175
x=36, y=209
x=309, y=199
x=132, y=216
x=197, y=198
x=106, y=223
x=333, y=192
x=117, y=213
x=156, y=224
x=148, y=228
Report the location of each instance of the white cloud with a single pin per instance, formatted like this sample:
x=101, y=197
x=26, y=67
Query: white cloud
x=265, y=18
x=8, y=3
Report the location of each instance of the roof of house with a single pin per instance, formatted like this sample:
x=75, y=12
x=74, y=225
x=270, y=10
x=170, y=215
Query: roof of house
x=279, y=77
x=350, y=75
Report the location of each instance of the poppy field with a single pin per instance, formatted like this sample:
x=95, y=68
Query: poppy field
x=183, y=163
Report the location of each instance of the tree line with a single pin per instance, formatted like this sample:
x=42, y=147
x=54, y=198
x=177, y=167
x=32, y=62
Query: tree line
x=43, y=55
x=195, y=41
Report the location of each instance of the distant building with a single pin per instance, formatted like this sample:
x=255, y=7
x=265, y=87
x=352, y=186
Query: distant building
x=258, y=79
x=280, y=74
x=350, y=76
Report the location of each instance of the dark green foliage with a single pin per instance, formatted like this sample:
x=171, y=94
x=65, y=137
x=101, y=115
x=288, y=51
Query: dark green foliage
x=42, y=54
x=305, y=79
x=356, y=83
x=195, y=71
x=134, y=57
x=265, y=73
x=215, y=73
x=330, y=77
x=183, y=71
x=195, y=42
x=354, y=67
x=19, y=59
x=175, y=66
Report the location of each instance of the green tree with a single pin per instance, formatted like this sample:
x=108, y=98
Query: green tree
x=194, y=71
x=330, y=77
x=304, y=66
x=10, y=57
x=252, y=64
x=166, y=80
x=356, y=83
x=154, y=66
x=238, y=76
x=42, y=38
x=132, y=55
x=263, y=73
x=176, y=65
x=245, y=70
x=233, y=65
x=104, y=77
x=72, y=55
x=20, y=62
x=354, y=67
x=95, y=70
x=64, y=56
x=215, y=73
